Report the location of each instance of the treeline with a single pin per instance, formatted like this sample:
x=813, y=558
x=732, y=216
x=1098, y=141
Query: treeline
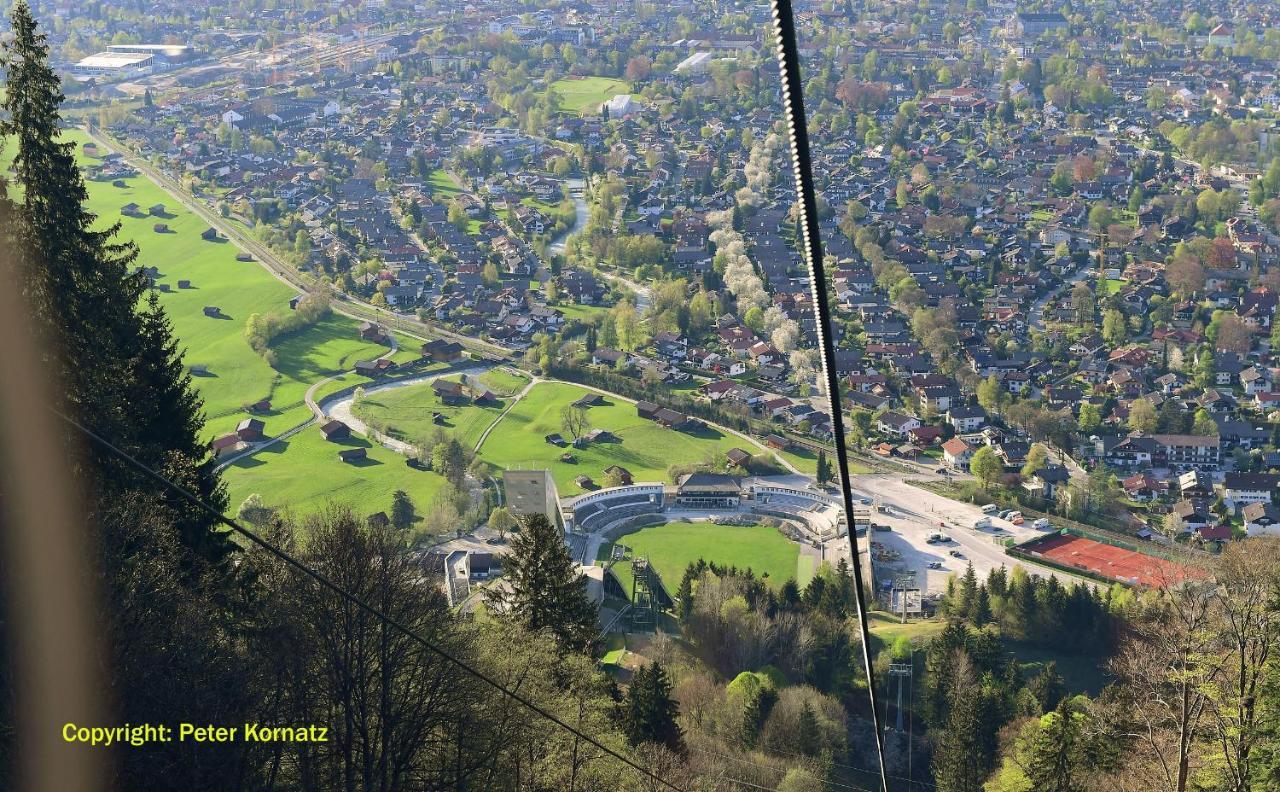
x=1193, y=700
x=972, y=688
x=736, y=622
x=263, y=330
x=1035, y=609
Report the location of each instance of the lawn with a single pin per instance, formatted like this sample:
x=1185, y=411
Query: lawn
x=304, y=473
x=504, y=381
x=236, y=374
x=586, y=94
x=1111, y=286
x=406, y=414
x=443, y=185
x=672, y=547
x=581, y=312
x=642, y=446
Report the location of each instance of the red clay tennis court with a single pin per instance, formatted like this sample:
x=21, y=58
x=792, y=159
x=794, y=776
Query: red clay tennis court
x=1104, y=560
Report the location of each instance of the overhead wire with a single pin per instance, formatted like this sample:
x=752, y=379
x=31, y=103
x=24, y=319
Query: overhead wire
x=793, y=104
x=325, y=582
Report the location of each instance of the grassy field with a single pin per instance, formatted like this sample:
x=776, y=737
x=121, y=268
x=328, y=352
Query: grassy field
x=236, y=374
x=304, y=473
x=1111, y=286
x=443, y=185
x=643, y=447
x=672, y=547
x=504, y=381
x=586, y=94
x=406, y=414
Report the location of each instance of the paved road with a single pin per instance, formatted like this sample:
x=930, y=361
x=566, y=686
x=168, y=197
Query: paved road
x=1035, y=317
x=643, y=294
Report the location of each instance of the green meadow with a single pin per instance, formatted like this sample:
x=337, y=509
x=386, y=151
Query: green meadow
x=642, y=446
x=303, y=473
x=585, y=94
x=236, y=375
x=408, y=414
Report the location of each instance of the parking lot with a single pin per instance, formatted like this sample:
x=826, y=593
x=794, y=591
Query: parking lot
x=913, y=514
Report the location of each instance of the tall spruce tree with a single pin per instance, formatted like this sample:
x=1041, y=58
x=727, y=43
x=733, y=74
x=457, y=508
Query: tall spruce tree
x=649, y=712
x=545, y=591
x=756, y=713
x=166, y=597
x=114, y=352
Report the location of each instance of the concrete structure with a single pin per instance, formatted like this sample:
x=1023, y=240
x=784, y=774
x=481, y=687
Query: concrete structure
x=532, y=492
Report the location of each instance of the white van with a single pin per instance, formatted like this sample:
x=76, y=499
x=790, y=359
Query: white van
x=1041, y=524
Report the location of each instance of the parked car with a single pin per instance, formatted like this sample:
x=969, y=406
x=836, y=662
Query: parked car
x=1041, y=524
x=935, y=565
x=956, y=554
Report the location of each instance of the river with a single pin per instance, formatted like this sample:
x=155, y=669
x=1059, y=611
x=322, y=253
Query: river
x=577, y=191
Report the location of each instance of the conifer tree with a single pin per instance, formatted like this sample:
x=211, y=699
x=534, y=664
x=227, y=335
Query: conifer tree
x=113, y=351
x=649, y=712
x=544, y=590
x=824, y=468
x=167, y=597
x=808, y=733
x=756, y=713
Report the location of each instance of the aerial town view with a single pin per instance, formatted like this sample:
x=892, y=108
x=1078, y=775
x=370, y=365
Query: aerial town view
x=506, y=389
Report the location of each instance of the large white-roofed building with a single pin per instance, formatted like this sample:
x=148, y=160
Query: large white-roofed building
x=114, y=64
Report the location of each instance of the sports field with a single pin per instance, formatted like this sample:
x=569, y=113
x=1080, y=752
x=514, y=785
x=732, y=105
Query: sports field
x=1104, y=560
x=304, y=473
x=586, y=94
x=236, y=375
x=672, y=547
x=641, y=446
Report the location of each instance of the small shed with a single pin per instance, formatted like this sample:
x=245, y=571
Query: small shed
x=210, y=234
x=242, y=256
x=250, y=429
x=352, y=454
x=212, y=311
x=130, y=209
x=160, y=228
x=157, y=210
x=184, y=284
x=623, y=475
x=737, y=457
x=584, y=482
x=335, y=430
